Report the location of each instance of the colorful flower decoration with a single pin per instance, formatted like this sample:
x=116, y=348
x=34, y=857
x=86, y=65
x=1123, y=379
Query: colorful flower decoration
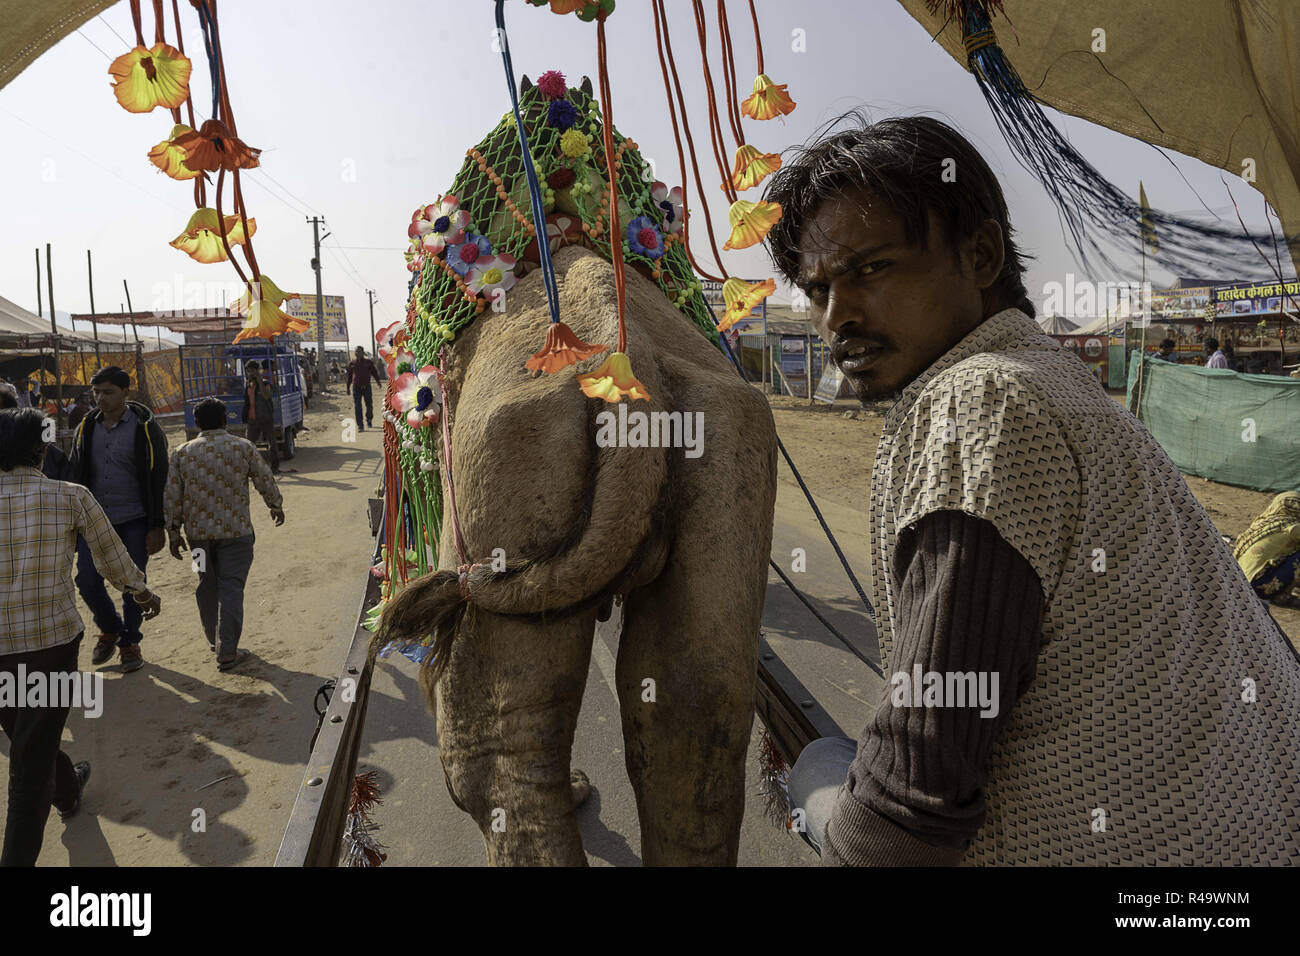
x=561, y=230
x=741, y=297
x=390, y=338
x=670, y=202
x=574, y=143
x=613, y=380
x=144, y=79
x=644, y=239
x=573, y=6
x=752, y=167
x=562, y=349
x=462, y=256
x=170, y=158
x=552, y=85
x=400, y=361
x=201, y=240
x=768, y=101
x=491, y=273
x=439, y=224
x=419, y=396
x=414, y=255
x=265, y=320
x=750, y=222
x=561, y=178
x=561, y=114
x=213, y=147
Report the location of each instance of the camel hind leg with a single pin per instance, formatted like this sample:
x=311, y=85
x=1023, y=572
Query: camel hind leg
x=507, y=707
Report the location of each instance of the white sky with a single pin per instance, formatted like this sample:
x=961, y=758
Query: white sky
x=364, y=111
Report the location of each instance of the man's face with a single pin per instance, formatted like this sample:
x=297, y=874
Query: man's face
x=889, y=310
x=109, y=398
x=361, y=353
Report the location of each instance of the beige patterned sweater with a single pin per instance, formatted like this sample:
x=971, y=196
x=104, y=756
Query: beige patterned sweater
x=1162, y=725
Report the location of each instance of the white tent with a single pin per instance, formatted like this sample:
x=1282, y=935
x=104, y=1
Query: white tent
x=16, y=320
x=1057, y=325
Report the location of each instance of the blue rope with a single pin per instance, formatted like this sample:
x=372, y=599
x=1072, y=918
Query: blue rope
x=210, y=50
x=534, y=188
x=803, y=487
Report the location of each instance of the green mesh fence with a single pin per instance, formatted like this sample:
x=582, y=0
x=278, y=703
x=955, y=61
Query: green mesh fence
x=1226, y=426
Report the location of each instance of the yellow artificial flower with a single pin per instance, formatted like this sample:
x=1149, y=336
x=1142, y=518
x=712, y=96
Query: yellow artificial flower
x=750, y=222
x=145, y=79
x=752, y=167
x=741, y=297
x=202, y=242
x=265, y=319
x=574, y=143
x=170, y=158
x=768, y=101
x=613, y=380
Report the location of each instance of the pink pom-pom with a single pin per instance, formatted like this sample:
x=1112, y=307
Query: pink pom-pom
x=552, y=84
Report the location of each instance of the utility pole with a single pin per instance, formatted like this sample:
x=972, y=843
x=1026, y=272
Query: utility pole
x=322, y=369
x=94, y=325
x=49, y=282
x=370, y=294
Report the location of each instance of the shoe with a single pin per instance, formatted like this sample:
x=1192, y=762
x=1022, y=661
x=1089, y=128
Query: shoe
x=132, y=659
x=82, y=770
x=104, y=648
x=579, y=788
x=241, y=655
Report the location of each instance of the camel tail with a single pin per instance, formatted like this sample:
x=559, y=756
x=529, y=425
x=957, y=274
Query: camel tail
x=428, y=605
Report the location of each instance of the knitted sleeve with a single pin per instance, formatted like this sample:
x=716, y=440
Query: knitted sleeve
x=966, y=649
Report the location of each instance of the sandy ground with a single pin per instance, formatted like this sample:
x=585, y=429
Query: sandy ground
x=178, y=743
x=835, y=455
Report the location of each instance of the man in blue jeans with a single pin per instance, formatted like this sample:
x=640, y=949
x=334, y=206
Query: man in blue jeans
x=120, y=453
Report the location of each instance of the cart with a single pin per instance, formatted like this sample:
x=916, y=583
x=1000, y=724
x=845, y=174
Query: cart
x=218, y=370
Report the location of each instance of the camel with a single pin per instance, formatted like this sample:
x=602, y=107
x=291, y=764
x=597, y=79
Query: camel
x=682, y=542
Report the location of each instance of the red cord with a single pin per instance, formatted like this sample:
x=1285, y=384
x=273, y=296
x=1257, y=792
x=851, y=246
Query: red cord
x=715, y=125
x=615, y=231
x=758, y=39
x=665, y=41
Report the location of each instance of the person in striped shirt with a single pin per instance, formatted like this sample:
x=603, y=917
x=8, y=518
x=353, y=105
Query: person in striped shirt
x=40, y=629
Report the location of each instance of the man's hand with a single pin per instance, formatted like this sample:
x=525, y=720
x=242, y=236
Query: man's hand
x=152, y=608
x=178, y=544
x=277, y=515
x=154, y=540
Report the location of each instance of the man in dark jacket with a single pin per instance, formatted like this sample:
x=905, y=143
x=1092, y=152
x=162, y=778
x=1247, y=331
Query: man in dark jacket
x=120, y=453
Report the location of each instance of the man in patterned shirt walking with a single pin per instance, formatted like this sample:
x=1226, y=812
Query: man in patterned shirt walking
x=207, y=502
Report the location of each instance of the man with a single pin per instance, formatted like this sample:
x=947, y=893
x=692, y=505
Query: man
x=120, y=453
x=79, y=410
x=1216, y=357
x=1064, y=633
x=55, y=463
x=259, y=413
x=1166, y=350
x=40, y=631
x=360, y=372
x=207, y=503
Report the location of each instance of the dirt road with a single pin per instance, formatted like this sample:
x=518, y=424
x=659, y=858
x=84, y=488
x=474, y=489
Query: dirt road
x=195, y=767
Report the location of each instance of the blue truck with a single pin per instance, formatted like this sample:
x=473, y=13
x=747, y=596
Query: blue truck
x=208, y=370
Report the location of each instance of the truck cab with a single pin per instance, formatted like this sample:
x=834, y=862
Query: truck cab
x=220, y=370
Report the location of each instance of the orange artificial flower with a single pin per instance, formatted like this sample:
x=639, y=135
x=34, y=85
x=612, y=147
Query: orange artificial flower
x=613, y=380
x=212, y=148
x=562, y=349
x=145, y=79
x=768, y=101
x=170, y=158
x=202, y=242
x=741, y=297
x=751, y=168
x=750, y=222
x=265, y=320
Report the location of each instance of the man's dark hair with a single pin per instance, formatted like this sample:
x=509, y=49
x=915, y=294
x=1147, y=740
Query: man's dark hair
x=113, y=375
x=1212, y=343
x=8, y=396
x=1168, y=344
x=210, y=413
x=22, y=440
x=901, y=160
